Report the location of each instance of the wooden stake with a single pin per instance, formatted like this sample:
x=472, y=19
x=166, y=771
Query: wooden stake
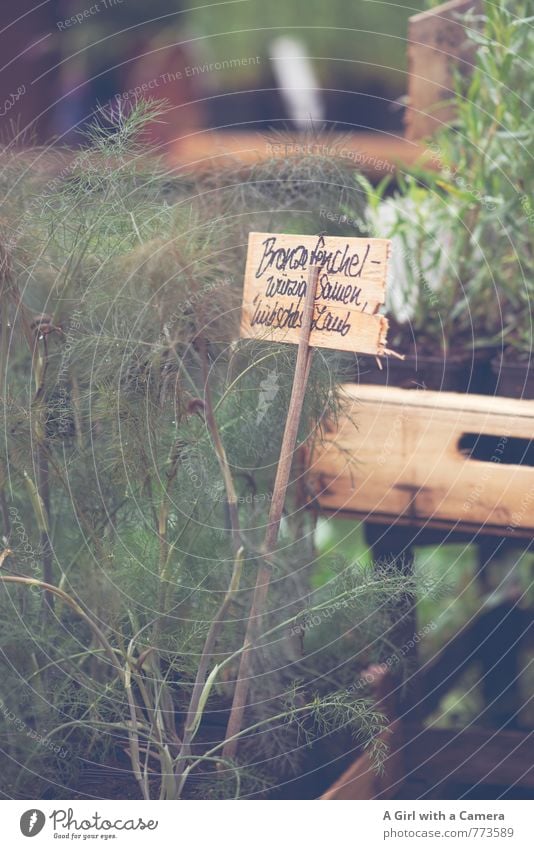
x=287, y=450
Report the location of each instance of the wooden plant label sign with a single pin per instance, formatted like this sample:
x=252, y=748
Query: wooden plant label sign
x=350, y=290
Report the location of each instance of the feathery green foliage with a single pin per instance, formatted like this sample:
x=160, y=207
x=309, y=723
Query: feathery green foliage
x=126, y=582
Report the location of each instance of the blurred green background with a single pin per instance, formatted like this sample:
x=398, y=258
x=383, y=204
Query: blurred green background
x=363, y=39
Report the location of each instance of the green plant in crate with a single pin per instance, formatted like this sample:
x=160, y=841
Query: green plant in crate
x=426, y=297
x=484, y=160
x=140, y=440
x=462, y=229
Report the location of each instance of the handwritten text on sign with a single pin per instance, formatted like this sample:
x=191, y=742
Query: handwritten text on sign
x=350, y=290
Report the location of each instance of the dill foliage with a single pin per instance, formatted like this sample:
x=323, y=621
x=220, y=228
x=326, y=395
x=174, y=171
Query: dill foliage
x=130, y=412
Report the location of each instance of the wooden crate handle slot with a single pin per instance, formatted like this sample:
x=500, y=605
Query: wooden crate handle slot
x=498, y=448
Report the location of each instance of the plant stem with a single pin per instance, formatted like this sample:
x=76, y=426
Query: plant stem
x=307, y=708
x=42, y=469
x=200, y=691
x=194, y=711
x=133, y=737
x=211, y=422
x=165, y=549
x=300, y=380
x=34, y=582
x=4, y=346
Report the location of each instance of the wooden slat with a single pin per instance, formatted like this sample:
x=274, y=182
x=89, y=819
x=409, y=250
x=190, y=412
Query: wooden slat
x=470, y=755
x=375, y=154
x=395, y=454
x=452, y=531
x=446, y=401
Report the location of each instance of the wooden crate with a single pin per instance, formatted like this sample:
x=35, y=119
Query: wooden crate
x=437, y=44
x=398, y=455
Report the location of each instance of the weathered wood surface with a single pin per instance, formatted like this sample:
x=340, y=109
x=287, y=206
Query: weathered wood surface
x=395, y=456
x=376, y=154
x=437, y=44
x=470, y=755
x=350, y=290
